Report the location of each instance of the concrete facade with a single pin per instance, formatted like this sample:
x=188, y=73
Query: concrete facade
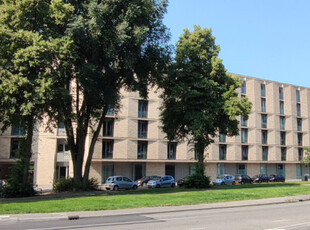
x=132, y=143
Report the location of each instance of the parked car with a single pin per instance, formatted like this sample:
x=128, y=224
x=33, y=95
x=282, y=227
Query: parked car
x=276, y=178
x=165, y=181
x=143, y=181
x=119, y=182
x=260, y=178
x=243, y=179
x=224, y=179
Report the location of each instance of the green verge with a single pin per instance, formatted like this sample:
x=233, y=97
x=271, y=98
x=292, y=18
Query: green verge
x=149, y=198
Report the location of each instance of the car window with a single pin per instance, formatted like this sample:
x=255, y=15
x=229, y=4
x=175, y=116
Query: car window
x=110, y=179
x=126, y=179
x=118, y=179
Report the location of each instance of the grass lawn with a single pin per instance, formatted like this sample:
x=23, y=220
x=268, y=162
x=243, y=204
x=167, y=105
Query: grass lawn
x=108, y=200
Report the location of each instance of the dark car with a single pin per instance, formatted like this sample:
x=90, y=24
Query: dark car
x=260, y=178
x=277, y=178
x=243, y=179
x=143, y=181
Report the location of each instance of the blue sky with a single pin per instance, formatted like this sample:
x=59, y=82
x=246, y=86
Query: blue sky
x=268, y=39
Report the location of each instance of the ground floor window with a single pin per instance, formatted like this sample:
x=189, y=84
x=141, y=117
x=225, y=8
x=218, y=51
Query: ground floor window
x=242, y=169
x=298, y=171
x=170, y=170
x=107, y=170
x=139, y=171
x=281, y=169
x=220, y=169
x=263, y=169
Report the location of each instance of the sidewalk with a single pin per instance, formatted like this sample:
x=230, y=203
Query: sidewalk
x=89, y=214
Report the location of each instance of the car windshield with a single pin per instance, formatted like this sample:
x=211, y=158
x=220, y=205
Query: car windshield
x=221, y=177
x=110, y=179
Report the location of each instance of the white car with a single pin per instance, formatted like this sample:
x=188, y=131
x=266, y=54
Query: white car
x=165, y=181
x=224, y=179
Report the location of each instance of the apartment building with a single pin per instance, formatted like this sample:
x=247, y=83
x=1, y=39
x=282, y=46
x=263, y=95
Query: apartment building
x=131, y=143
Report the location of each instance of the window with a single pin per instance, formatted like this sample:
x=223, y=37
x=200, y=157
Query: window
x=220, y=169
x=107, y=149
x=298, y=110
x=107, y=170
x=196, y=152
x=222, y=151
x=61, y=130
x=245, y=153
x=243, y=88
x=263, y=169
x=300, y=154
x=281, y=107
x=110, y=111
x=282, y=123
x=222, y=138
x=265, y=153
x=244, y=135
x=298, y=171
x=244, y=122
x=281, y=93
x=263, y=104
x=263, y=90
x=281, y=169
x=142, y=149
x=283, y=138
x=142, y=129
x=283, y=154
x=299, y=138
x=108, y=127
x=297, y=96
x=15, y=147
x=17, y=130
x=62, y=145
x=142, y=109
x=264, y=121
x=299, y=124
x=172, y=150
x=242, y=169
x=264, y=137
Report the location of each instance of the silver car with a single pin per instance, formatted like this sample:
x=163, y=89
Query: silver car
x=224, y=179
x=165, y=181
x=119, y=182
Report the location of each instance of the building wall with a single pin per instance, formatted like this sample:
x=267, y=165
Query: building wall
x=125, y=137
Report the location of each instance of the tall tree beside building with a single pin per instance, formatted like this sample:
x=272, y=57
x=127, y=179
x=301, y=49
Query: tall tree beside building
x=28, y=80
x=105, y=45
x=199, y=97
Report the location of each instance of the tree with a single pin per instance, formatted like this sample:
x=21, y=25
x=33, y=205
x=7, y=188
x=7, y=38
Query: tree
x=119, y=44
x=106, y=45
x=30, y=70
x=199, y=97
x=306, y=159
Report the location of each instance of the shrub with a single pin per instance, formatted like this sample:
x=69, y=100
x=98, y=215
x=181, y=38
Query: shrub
x=197, y=181
x=17, y=190
x=63, y=185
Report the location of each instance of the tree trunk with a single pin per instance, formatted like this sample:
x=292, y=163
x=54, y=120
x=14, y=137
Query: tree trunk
x=27, y=153
x=200, y=169
x=92, y=147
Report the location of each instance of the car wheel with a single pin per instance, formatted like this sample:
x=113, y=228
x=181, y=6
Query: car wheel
x=242, y=182
x=115, y=188
x=134, y=187
x=222, y=183
x=233, y=183
x=172, y=185
x=157, y=186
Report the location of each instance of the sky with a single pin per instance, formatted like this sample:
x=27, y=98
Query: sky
x=267, y=39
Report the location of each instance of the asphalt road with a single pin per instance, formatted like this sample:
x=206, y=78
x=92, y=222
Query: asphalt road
x=288, y=216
